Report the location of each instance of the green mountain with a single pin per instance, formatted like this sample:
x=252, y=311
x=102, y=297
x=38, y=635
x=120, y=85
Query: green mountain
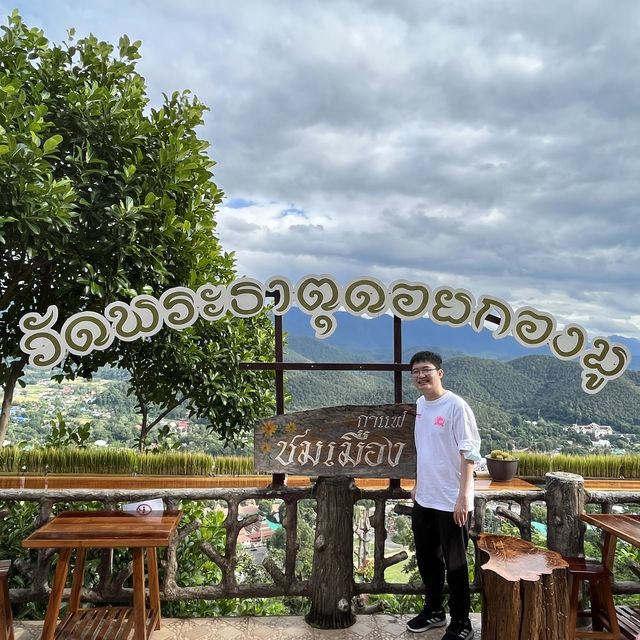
x=559, y=396
x=314, y=389
x=507, y=397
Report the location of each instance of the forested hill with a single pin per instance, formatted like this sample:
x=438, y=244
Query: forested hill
x=546, y=385
x=500, y=392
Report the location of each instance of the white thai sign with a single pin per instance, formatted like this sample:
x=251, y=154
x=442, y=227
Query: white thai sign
x=320, y=297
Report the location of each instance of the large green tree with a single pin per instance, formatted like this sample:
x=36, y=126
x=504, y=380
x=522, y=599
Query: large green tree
x=103, y=198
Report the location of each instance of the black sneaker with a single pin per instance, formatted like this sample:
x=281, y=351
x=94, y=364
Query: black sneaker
x=427, y=620
x=459, y=631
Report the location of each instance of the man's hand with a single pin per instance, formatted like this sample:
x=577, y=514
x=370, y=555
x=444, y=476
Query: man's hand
x=461, y=510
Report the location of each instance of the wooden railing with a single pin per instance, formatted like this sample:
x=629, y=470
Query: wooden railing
x=563, y=495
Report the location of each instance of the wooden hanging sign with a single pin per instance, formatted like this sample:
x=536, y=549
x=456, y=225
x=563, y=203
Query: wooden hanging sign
x=367, y=441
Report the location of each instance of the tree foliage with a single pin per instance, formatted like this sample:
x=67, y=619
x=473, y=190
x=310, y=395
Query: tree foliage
x=199, y=368
x=103, y=198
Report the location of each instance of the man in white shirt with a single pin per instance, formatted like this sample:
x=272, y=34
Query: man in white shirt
x=447, y=444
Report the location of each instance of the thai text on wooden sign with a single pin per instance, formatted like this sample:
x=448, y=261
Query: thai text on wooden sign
x=360, y=441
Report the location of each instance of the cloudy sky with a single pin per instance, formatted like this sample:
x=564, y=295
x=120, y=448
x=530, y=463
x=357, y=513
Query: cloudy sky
x=490, y=144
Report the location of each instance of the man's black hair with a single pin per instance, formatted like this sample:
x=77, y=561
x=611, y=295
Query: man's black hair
x=426, y=356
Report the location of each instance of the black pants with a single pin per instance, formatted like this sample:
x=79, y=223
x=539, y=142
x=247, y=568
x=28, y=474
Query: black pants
x=441, y=543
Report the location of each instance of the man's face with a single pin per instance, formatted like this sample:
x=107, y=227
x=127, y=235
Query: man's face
x=427, y=377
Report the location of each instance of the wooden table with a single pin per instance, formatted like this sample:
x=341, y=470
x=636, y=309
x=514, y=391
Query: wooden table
x=84, y=530
x=516, y=484
x=623, y=526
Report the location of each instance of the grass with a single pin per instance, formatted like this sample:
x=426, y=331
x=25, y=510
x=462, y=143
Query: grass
x=96, y=460
x=590, y=466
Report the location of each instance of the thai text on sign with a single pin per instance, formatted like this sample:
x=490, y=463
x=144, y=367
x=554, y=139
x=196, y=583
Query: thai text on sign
x=360, y=441
x=48, y=340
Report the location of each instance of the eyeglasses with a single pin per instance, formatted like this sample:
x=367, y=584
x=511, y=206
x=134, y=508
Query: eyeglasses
x=416, y=373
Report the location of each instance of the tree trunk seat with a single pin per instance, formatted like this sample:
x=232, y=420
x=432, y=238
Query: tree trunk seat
x=524, y=590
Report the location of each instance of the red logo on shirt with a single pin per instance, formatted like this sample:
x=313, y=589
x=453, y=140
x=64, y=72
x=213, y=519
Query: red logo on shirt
x=439, y=421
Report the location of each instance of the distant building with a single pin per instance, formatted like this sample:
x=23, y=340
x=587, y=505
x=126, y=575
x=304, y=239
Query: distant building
x=594, y=429
x=256, y=533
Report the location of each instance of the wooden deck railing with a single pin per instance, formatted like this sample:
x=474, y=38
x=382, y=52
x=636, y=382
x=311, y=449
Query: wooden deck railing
x=563, y=496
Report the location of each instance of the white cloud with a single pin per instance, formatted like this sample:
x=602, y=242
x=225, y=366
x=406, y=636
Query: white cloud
x=491, y=145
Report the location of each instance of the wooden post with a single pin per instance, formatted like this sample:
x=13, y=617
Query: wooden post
x=565, y=504
x=332, y=586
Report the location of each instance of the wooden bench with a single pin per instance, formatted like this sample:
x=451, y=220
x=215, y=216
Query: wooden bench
x=524, y=590
x=629, y=622
x=6, y=617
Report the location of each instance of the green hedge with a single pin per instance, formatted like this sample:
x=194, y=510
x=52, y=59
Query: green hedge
x=590, y=466
x=120, y=461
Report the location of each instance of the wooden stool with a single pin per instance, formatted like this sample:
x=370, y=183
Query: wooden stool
x=603, y=613
x=6, y=617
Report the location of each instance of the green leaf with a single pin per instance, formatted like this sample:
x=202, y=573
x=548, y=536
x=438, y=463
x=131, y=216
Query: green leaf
x=34, y=229
x=51, y=144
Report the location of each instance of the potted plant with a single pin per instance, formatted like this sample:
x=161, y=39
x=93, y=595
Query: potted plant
x=502, y=466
